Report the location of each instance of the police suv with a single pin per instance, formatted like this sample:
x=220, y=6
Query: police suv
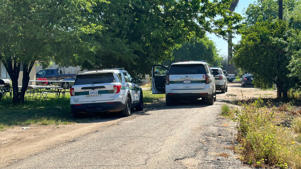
x=111, y=90
x=184, y=80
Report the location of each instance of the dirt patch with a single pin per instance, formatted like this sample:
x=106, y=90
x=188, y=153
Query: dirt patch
x=19, y=142
x=238, y=93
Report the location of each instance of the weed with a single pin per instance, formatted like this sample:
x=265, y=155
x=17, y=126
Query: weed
x=227, y=111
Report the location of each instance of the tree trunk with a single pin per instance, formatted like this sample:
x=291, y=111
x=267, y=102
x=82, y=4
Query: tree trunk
x=26, y=71
x=280, y=9
x=13, y=69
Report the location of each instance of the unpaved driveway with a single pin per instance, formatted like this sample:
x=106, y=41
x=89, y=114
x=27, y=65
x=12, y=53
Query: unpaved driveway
x=189, y=135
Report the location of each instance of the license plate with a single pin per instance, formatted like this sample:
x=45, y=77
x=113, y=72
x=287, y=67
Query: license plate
x=187, y=81
x=93, y=92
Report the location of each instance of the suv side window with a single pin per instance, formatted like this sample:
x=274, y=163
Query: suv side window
x=127, y=77
x=119, y=77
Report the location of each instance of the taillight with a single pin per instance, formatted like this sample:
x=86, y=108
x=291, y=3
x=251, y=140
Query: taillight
x=207, y=78
x=117, y=88
x=72, y=93
x=245, y=79
x=220, y=77
x=167, y=80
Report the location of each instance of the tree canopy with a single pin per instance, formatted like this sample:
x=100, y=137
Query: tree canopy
x=35, y=30
x=198, y=49
x=137, y=34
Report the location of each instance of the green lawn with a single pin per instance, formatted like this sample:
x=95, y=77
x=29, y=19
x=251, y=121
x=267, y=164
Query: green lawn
x=52, y=110
x=149, y=98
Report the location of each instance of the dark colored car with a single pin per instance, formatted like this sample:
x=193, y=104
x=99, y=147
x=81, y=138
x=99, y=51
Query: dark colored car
x=247, y=80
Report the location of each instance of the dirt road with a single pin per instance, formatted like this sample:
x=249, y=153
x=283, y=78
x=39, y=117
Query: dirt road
x=188, y=135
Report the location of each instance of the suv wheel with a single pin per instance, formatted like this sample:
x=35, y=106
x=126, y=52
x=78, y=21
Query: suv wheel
x=140, y=105
x=127, y=111
x=168, y=100
x=210, y=100
x=76, y=114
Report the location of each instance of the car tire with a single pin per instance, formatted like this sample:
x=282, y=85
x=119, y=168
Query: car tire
x=168, y=100
x=127, y=111
x=214, y=96
x=140, y=105
x=76, y=114
x=209, y=100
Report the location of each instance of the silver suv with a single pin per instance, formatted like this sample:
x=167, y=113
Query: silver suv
x=110, y=90
x=187, y=80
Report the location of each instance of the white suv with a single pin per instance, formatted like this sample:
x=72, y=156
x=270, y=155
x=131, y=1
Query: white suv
x=105, y=91
x=220, y=79
x=186, y=80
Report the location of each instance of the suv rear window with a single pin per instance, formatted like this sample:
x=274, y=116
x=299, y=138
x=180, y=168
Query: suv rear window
x=94, y=78
x=215, y=72
x=187, y=69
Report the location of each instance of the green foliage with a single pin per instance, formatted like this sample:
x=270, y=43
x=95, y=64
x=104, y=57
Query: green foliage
x=137, y=34
x=295, y=63
x=198, y=49
x=267, y=10
x=36, y=30
x=263, y=52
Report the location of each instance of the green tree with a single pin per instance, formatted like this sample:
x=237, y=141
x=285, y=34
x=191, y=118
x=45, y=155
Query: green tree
x=198, y=49
x=268, y=10
x=34, y=30
x=138, y=33
x=263, y=52
x=295, y=63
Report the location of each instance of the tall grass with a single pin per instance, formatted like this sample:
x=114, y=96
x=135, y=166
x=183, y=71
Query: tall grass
x=263, y=142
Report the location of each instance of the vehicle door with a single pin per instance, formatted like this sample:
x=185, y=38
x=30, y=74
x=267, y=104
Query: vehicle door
x=132, y=87
x=159, y=74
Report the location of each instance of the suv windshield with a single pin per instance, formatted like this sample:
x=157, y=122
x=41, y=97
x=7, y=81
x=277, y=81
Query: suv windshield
x=94, y=78
x=187, y=69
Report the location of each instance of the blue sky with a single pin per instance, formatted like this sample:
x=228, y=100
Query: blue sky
x=220, y=43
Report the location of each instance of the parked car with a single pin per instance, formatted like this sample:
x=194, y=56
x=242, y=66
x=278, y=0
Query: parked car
x=220, y=79
x=184, y=80
x=46, y=75
x=109, y=90
x=247, y=80
x=231, y=77
x=5, y=87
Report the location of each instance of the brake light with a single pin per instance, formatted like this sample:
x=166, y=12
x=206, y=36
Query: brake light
x=72, y=93
x=207, y=78
x=167, y=80
x=117, y=88
x=220, y=77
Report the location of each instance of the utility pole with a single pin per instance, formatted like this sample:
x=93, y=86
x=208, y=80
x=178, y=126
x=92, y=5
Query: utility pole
x=280, y=9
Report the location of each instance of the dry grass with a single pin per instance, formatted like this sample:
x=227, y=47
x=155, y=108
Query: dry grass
x=264, y=141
